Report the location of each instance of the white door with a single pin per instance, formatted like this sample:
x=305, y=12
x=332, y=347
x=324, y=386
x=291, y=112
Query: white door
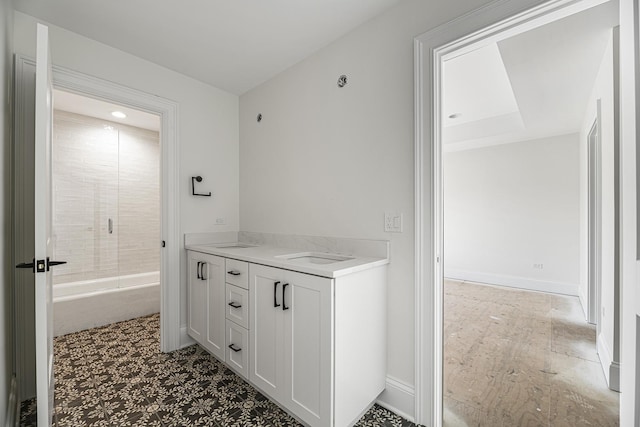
x=42, y=253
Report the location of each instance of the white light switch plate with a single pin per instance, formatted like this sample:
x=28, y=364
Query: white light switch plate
x=393, y=222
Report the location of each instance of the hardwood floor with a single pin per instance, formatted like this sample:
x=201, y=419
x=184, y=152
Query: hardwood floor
x=520, y=358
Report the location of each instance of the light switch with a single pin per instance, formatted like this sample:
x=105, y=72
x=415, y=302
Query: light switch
x=393, y=222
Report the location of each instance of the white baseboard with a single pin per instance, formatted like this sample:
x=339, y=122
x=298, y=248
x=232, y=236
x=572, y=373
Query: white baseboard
x=605, y=356
x=614, y=376
x=583, y=304
x=610, y=368
x=13, y=405
x=185, y=339
x=514, y=282
x=398, y=397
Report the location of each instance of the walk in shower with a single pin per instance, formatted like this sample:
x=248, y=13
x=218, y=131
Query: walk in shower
x=106, y=221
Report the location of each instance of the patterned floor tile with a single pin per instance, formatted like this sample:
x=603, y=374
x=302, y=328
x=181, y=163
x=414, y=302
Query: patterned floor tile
x=116, y=376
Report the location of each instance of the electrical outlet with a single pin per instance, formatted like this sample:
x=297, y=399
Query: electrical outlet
x=220, y=221
x=538, y=266
x=393, y=222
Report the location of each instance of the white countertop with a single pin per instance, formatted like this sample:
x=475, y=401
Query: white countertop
x=272, y=256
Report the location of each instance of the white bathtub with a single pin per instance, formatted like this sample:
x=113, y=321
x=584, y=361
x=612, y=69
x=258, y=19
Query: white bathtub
x=82, y=305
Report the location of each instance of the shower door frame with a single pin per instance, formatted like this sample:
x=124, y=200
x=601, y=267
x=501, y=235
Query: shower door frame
x=72, y=81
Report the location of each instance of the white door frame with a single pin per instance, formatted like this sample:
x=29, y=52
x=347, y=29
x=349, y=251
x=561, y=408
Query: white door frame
x=495, y=21
x=82, y=84
x=594, y=221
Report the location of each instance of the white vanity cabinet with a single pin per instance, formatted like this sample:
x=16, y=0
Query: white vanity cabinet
x=206, y=302
x=318, y=344
x=237, y=315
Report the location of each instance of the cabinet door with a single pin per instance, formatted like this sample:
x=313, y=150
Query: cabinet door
x=215, y=299
x=307, y=333
x=265, y=331
x=196, y=299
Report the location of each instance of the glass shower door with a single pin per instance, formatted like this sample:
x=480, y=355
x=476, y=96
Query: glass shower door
x=85, y=201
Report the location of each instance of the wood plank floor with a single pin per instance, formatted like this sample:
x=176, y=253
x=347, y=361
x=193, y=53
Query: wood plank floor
x=520, y=358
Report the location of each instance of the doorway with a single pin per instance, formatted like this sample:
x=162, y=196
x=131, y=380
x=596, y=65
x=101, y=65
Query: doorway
x=106, y=213
x=489, y=24
x=169, y=270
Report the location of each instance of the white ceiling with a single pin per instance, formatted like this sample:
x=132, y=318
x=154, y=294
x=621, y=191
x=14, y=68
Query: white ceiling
x=549, y=71
x=65, y=101
x=231, y=44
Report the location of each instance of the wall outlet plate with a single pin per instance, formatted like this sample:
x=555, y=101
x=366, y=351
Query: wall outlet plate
x=220, y=221
x=393, y=222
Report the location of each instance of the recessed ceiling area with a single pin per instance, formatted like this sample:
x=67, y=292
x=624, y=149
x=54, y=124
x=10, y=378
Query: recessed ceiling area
x=78, y=104
x=533, y=85
x=232, y=45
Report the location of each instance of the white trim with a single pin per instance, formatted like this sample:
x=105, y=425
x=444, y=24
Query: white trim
x=398, y=397
x=610, y=368
x=614, y=376
x=94, y=87
x=185, y=339
x=604, y=354
x=79, y=83
x=594, y=219
x=515, y=282
x=495, y=21
x=583, y=302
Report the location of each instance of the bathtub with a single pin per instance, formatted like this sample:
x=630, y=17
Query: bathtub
x=87, y=304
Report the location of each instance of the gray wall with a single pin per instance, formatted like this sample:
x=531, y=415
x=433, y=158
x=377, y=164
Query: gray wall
x=330, y=161
x=512, y=214
x=207, y=124
x=6, y=82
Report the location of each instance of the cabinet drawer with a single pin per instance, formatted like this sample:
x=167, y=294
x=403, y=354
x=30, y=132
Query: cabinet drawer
x=237, y=356
x=238, y=273
x=237, y=305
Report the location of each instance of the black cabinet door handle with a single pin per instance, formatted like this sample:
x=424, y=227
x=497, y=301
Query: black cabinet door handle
x=233, y=272
x=204, y=264
x=275, y=294
x=198, y=270
x=235, y=304
x=284, y=301
x=233, y=347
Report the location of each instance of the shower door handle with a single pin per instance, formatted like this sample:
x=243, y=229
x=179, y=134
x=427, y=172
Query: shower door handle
x=110, y=226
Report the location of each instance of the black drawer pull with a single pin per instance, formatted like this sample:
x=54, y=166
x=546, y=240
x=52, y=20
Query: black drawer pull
x=234, y=272
x=234, y=348
x=284, y=301
x=275, y=294
x=235, y=304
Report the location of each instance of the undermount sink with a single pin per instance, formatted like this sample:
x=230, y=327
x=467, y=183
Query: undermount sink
x=234, y=245
x=315, y=257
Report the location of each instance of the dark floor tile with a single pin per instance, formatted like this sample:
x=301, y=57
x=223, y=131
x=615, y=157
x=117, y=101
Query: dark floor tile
x=116, y=376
